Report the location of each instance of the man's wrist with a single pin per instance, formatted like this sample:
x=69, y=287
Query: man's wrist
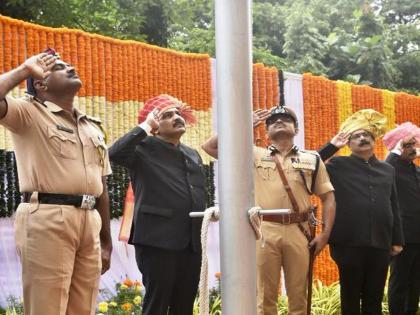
x=397, y=151
x=146, y=127
x=23, y=71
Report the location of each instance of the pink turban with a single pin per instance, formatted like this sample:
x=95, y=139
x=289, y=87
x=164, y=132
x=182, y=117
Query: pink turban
x=406, y=131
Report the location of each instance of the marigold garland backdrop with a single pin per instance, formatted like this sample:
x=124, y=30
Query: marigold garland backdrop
x=119, y=76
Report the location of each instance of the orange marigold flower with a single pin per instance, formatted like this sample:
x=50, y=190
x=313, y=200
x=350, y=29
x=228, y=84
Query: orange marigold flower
x=127, y=307
x=218, y=275
x=128, y=282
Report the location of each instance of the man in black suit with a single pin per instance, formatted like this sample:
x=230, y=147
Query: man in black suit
x=367, y=228
x=168, y=182
x=404, y=281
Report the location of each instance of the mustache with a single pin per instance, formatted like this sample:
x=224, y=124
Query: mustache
x=178, y=122
x=363, y=142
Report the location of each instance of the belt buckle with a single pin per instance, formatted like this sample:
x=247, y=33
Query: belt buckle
x=88, y=202
x=289, y=219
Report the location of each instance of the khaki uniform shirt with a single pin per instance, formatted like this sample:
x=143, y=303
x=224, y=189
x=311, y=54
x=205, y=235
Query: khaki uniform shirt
x=56, y=152
x=269, y=189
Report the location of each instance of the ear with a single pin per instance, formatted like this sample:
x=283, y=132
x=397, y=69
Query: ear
x=296, y=130
x=40, y=85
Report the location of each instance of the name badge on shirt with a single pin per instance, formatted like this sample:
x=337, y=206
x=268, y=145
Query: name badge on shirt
x=297, y=163
x=267, y=159
x=64, y=128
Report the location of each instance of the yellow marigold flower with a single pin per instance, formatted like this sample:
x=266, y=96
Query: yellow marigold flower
x=127, y=307
x=103, y=307
x=113, y=304
x=137, y=300
x=128, y=282
x=137, y=289
x=123, y=287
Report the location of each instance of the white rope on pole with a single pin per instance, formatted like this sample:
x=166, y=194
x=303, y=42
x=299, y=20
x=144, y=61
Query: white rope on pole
x=255, y=220
x=212, y=215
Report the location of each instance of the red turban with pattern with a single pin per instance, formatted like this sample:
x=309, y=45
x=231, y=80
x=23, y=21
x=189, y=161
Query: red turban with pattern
x=164, y=102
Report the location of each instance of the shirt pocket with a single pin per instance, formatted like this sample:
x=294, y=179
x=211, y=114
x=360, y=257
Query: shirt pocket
x=62, y=144
x=266, y=170
x=96, y=151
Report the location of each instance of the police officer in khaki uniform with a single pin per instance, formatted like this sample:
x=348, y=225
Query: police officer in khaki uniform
x=286, y=245
x=62, y=161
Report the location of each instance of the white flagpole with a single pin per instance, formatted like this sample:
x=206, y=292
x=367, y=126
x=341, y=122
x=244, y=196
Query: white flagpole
x=236, y=185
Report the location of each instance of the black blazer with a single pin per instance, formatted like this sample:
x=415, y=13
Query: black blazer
x=408, y=187
x=367, y=212
x=168, y=182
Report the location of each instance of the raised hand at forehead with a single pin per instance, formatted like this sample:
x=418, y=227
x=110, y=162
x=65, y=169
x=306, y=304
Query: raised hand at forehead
x=40, y=66
x=152, y=119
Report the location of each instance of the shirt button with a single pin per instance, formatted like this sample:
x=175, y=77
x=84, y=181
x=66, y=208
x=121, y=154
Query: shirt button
x=191, y=186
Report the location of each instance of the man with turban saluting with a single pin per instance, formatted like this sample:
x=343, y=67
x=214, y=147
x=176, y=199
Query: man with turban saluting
x=404, y=282
x=168, y=183
x=367, y=228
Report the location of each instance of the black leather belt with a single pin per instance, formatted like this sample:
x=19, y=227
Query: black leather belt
x=83, y=202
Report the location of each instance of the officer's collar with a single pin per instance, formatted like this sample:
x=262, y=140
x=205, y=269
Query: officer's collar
x=273, y=150
x=79, y=114
x=54, y=108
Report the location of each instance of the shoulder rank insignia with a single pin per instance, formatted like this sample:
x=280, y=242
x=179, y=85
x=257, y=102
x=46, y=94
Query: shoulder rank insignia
x=98, y=123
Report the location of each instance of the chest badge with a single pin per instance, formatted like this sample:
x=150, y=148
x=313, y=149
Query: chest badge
x=267, y=159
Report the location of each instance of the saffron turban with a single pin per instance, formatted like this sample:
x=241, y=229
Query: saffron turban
x=366, y=119
x=405, y=131
x=163, y=103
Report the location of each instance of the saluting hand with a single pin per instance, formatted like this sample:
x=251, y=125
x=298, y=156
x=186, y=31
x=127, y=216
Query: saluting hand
x=340, y=139
x=39, y=66
x=259, y=116
x=152, y=119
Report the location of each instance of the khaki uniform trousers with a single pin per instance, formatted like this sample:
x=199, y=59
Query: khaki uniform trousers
x=60, y=252
x=285, y=247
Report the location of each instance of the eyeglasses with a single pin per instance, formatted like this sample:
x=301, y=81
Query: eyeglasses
x=359, y=135
x=409, y=145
